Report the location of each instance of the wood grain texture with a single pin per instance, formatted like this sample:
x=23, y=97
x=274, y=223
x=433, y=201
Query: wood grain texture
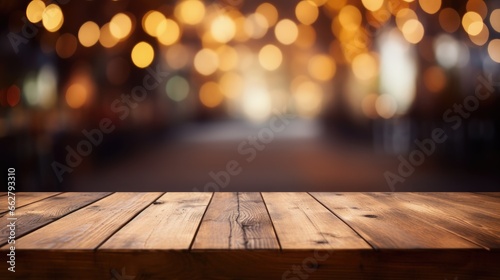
x=238, y=236
x=258, y=264
x=169, y=223
x=45, y=211
x=465, y=221
x=90, y=226
x=492, y=194
x=303, y=223
x=465, y=201
x=388, y=226
x=25, y=198
x=241, y=222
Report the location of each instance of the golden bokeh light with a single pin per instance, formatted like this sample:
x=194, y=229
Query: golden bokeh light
x=142, y=54
x=494, y=50
x=211, y=95
x=270, y=57
x=34, y=11
x=321, y=67
x=306, y=12
x=190, y=12
x=308, y=98
x=177, y=56
x=413, y=31
x=106, y=39
x=403, y=16
x=430, y=6
x=319, y=3
x=286, y=31
x=394, y=6
x=306, y=37
x=66, y=45
x=269, y=12
x=223, y=29
x=171, y=33
x=241, y=34
x=386, y=106
x=335, y=5
x=256, y=26
x=472, y=23
x=246, y=57
x=495, y=20
x=231, y=84
x=481, y=38
x=88, y=34
x=350, y=17
x=373, y=5
x=206, y=62
x=154, y=23
x=336, y=27
x=52, y=18
x=120, y=26
x=478, y=6
x=434, y=79
x=365, y=66
x=383, y=56
x=228, y=58
x=449, y=19
x=208, y=41
x=76, y=95
x=378, y=18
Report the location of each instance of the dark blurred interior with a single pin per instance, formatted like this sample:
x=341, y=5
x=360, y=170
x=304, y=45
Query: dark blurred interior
x=239, y=95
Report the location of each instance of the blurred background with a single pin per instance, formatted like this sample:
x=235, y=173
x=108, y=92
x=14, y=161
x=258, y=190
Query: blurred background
x=239, y=95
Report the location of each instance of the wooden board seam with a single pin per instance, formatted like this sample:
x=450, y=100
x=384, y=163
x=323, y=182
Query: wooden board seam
x=201, y=221
x=272, y=222
x=331, y=211
x=125, y=223
x=18, y=207
x=56, y=219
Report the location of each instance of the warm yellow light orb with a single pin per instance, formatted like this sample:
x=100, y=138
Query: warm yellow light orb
x=142, y=54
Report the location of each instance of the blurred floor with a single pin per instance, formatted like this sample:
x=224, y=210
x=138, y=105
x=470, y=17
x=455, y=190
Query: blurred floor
x=300, y=158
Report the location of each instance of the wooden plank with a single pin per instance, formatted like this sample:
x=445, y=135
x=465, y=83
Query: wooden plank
x=302, y=223
x=388, y=226
x=257, y=264
x=25, y=198
x=46, y=211
x=463, y=220
x=88, y=227
x=474, y=202
x=492, y=194
x=169, y=223
x=240, y=220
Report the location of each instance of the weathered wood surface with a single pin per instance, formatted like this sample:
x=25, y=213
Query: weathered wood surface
x=43, y=212
x=88, y=227
x=24, y=198
x=254, y=236
x=241, y=222
x=169, y=223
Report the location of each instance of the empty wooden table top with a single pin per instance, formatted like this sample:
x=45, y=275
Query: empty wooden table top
x=253, y=235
